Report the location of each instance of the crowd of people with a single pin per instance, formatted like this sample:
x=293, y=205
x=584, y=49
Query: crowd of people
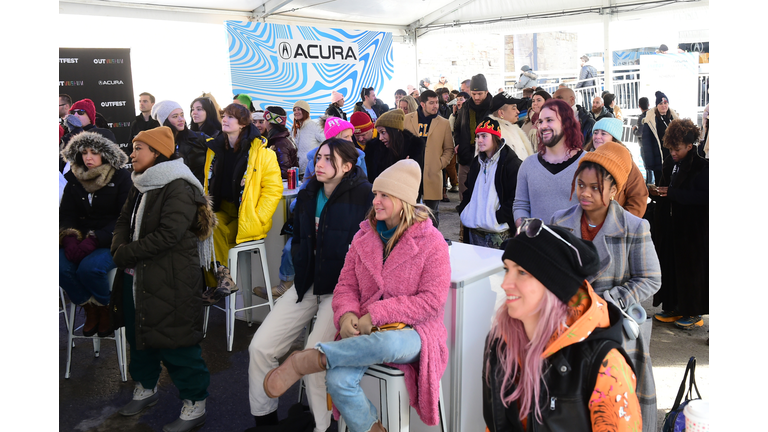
x=586, y=238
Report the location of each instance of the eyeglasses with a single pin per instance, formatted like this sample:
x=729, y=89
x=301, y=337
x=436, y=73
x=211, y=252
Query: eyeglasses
x=61, y=105
x=532, y=227
x=78, y=112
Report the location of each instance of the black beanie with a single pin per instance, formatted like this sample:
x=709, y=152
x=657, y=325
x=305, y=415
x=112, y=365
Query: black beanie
x=660, y=96
x=478, y=83
x=553, y=262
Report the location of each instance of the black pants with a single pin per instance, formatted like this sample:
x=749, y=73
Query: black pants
x=434, y=205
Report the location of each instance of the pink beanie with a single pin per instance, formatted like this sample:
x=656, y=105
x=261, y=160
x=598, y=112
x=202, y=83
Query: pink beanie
x=336, y=96
x=334, y=126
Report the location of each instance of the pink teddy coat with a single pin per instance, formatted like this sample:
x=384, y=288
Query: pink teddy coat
x=410, y=287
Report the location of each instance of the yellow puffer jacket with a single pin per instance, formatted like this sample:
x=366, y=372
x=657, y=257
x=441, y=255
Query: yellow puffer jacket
x=261, y=194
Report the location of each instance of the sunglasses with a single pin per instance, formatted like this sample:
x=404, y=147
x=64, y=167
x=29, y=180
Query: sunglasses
x=532, y=227
x=78, y=112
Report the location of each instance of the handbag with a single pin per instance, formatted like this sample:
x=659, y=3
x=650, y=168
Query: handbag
x=390, y=326
x=674, y=421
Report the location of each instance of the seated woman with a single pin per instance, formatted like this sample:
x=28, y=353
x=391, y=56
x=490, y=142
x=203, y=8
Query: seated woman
x=553, y=358
x=629, y=269
x=190, y=145
x=397, y=271
x=162, y=239
x=328, y=214
x=244, y=182
x=486, y=207
x=633, y=196
x=97, y=187
x=278, y=140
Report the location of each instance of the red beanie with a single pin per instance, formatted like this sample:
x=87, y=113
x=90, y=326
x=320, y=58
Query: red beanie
x=87, y=106
x=361, y=121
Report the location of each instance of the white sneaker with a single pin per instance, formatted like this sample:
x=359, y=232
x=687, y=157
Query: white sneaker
x=192, y=416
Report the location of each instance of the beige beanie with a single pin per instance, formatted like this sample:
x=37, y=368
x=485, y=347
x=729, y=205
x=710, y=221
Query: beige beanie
x=401, y=180
x=302, y=104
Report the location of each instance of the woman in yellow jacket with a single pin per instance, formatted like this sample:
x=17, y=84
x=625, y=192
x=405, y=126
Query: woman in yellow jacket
x=243, y=179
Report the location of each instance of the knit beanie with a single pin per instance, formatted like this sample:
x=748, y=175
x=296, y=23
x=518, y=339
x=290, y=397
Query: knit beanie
x=478, y=83
x=336, y=96
x=361, y=121
x=159, y=138
x=615, y=158
x=302, y=104
x=334, y=126
x=258, y=115
x=552, y=262
x=393, y=119
x=163, y=109
x=660, y=96
x=87, y=106
x=613, y=126
x=490, y=126
x=245, y=100
x=401, y=180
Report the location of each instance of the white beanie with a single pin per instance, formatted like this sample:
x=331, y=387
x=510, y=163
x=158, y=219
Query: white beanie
x=163, y=109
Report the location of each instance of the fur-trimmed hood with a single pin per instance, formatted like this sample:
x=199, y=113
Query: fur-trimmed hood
x=109, y=151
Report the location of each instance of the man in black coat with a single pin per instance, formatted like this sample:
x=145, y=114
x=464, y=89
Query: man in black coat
x=144, y=120
x=469, y=116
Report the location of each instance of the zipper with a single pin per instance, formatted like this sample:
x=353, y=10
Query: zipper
x=552, y=401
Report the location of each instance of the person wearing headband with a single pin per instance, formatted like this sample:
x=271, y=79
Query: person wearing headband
x=279, y=141
x=553, y=358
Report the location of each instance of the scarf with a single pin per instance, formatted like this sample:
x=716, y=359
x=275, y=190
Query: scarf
x=95, y=178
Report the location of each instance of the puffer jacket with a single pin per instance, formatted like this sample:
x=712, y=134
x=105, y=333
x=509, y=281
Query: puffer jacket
x=308, y=137
x=192, y=147
x=259, y=192
x=653, y=150
x=167, y=274
x=77, y=213
x=334, y=111
x=285, y=149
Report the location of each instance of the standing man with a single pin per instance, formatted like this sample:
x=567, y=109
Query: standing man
x=399, y=93
x=544, y=180
x=443, y=82
x=144, y=120
x=637, y=130
x=465, y=86
x=364, y=130
x=336, y=108
x=527, y=78
x=435, y=131
x=469, y=116
x=65, y=103
x=586, y=78
x=424, y=85
x=599, y=111
x=586, y=121
x=368, y=103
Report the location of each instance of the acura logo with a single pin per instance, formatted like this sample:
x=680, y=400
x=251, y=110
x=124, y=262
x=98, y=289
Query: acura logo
x=284, y=49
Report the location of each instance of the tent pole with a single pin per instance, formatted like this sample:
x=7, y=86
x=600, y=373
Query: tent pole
x=416, y=55
x=607, y=54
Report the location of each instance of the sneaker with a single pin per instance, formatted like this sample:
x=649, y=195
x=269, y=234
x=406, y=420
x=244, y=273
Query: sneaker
x=277, y=290
x=689, y=322
x=667, y=316
x=454, y=189
x=142, y=398
x=192, y=416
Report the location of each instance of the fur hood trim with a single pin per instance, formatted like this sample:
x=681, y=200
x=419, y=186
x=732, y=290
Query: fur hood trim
x=109, y=151
x=206, y=219
x=69, y=231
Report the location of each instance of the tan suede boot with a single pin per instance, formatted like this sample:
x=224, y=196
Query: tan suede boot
x=91, y=326
x=378, y=427
x=298, y=364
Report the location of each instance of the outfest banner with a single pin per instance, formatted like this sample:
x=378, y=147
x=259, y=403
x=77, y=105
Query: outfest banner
x=102, y=75
x=278, y=64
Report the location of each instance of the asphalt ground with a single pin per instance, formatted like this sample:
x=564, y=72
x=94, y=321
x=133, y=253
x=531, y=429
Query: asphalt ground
x=90, y=398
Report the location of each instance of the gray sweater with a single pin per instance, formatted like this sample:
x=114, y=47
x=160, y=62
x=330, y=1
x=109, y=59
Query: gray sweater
x=539, y=193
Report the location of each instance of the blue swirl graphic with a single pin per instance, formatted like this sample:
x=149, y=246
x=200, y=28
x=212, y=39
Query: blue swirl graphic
x=258, y=71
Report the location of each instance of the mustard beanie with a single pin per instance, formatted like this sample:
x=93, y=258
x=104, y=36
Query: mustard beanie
x=393, y=119
x=159, y=138
x=615, y=158
x=401, y=180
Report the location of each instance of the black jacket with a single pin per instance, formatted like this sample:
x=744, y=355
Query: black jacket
x=138, y=125
x=101, y=214
x=586, y=121
x=218, y=178
x=379, y=107
x=334, y=111
x=192, y=147
x=505, y=182
x=378, y=157
x=319, y=257
x=570, y=380
x=462, y=135
x=604, y=113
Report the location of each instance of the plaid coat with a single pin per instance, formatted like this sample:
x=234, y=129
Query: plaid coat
x=630, y=271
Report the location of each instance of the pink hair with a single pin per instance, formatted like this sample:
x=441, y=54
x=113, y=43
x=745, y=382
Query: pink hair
x=520, y=358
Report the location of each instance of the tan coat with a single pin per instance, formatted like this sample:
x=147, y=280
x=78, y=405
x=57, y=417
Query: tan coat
x=437, y=153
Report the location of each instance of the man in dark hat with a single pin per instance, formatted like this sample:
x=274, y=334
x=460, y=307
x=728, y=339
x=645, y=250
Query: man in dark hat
x=527, y=78
x=586, y=79
x=469, y=116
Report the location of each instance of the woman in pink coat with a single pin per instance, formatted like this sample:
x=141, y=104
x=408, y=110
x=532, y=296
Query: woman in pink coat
x=397, y=271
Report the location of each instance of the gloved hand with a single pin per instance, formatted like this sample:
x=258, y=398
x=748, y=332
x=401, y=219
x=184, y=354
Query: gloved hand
x=348, y=325
x=71, y=248
x=121, y=257
x=73, y=122
x=364, y=324
x=88, y=245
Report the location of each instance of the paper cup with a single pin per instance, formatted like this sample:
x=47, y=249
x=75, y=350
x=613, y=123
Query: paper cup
x=697, y=416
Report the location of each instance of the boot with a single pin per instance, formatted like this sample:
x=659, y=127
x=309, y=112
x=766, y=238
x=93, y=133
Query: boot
x=226, y=285
x=378, y=427
x=91, y=319
x=192, y=416
x=445, y=195
x=142, y=398
x=298, y=364
x=277, y=290
x=105, y=327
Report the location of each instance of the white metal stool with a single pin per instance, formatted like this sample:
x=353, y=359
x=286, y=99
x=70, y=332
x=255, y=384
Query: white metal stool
x=256, y=246
x=394, y=403
x=63, y=308
x=119, y=338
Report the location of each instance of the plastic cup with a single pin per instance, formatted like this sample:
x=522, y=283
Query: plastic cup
x=697, y=416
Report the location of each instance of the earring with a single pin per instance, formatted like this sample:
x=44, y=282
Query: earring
x=612, y=197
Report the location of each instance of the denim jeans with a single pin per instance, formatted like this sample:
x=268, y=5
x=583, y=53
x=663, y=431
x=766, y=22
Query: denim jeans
x=89, y=278
x=287, y=273
x=348, y=359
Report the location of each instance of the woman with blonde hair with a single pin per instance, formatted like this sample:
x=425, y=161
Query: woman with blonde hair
x=387, y=305
x=408, y=104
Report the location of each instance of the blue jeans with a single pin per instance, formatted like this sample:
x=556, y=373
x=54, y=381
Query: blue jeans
x=287, y=273
x=349, y=358
x=89, y=278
